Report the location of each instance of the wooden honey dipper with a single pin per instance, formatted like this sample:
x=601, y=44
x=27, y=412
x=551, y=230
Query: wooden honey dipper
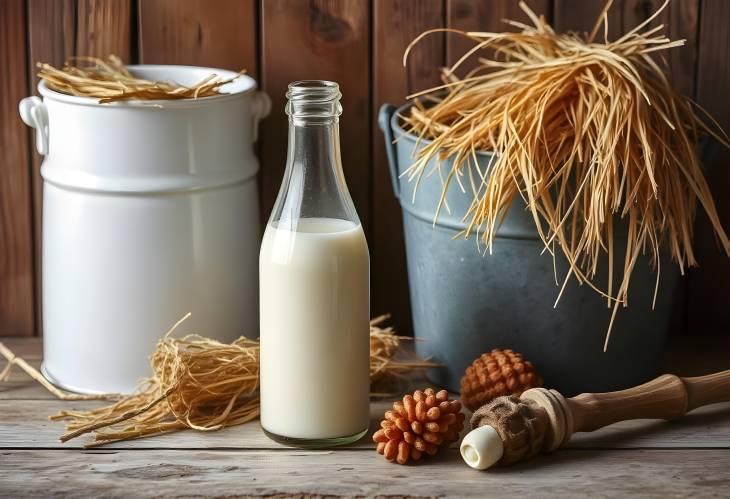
x=512, y=429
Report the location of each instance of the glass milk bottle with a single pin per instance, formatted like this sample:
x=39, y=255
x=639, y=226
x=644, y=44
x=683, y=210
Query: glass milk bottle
x=315, y=287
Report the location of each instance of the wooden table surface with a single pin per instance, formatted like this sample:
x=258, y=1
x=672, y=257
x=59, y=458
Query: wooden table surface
x=689, y=457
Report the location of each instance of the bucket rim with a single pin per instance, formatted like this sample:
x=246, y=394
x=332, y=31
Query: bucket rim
x=242, y=85
x=402, y=133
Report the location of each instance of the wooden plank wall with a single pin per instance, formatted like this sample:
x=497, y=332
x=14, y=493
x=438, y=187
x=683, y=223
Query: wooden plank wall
x=16, y=221
x=358, y=43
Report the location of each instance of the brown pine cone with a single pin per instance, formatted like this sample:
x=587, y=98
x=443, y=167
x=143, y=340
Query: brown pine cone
x=494, y=374
x=422, y=423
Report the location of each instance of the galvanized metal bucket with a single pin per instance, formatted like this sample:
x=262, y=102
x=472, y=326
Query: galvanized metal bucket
x=465, y=303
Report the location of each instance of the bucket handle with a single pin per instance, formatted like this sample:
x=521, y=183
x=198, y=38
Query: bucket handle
x=384, y=121
x=261, y=107
x=34, y=114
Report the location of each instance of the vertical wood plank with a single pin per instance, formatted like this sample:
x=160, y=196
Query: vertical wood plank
x=218, y=33
x=478, y=15
x=395, y=24
x=323, y=40
x=679, y=18
x=51, y=33
x=327, y=39
x=51, y=39
x=569, y=15
x=16, y=244
x=104, y=27
x=708, y=311
x=681, y=21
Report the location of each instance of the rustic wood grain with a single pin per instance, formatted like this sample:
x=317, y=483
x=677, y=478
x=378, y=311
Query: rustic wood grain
x=28, y=348
x=395, y=24
x=708, y=311
x=569, y=15
x=51, y=39
x=25, y=424
x=684, y=458
x=570, y=474
x=19, y=389
x=51, y=33
x=25, y=406
x=679, y=18
x=18, y=386
x=664, y=398
x=104, y=27
x=476, y=15
x=219, y=33
x=339, y=40
x=16, y=224
x=681, y=21
x=320, y=40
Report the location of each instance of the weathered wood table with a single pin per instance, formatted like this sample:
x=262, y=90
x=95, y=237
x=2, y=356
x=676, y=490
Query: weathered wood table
x=690, y=457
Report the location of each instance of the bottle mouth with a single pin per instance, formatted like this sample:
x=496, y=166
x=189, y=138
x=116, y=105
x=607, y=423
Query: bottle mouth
x=313, y=98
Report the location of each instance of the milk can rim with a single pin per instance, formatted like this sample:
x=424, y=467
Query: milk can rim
x=250, y=87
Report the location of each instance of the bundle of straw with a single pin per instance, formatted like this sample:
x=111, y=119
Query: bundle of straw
x=384, y=347
x=585, y=133
x=198, y=383
x=110, y=81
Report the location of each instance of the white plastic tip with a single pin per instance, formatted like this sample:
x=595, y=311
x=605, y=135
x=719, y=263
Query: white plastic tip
x=482, y=447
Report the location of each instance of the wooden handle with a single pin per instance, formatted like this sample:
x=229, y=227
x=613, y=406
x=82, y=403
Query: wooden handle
x=710, y=389
x=666, y=397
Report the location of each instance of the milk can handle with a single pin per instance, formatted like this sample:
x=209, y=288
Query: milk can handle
x=34, y=114
x=261, y=107
x=384, y=121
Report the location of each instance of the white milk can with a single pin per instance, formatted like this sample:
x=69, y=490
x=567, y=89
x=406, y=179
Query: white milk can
x=150, y=211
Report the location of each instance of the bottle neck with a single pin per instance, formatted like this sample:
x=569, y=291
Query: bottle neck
x=314, y=147
x=314, y=184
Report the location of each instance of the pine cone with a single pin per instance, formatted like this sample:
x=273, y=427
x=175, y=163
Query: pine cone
x=422, y=422
x=494, y=374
